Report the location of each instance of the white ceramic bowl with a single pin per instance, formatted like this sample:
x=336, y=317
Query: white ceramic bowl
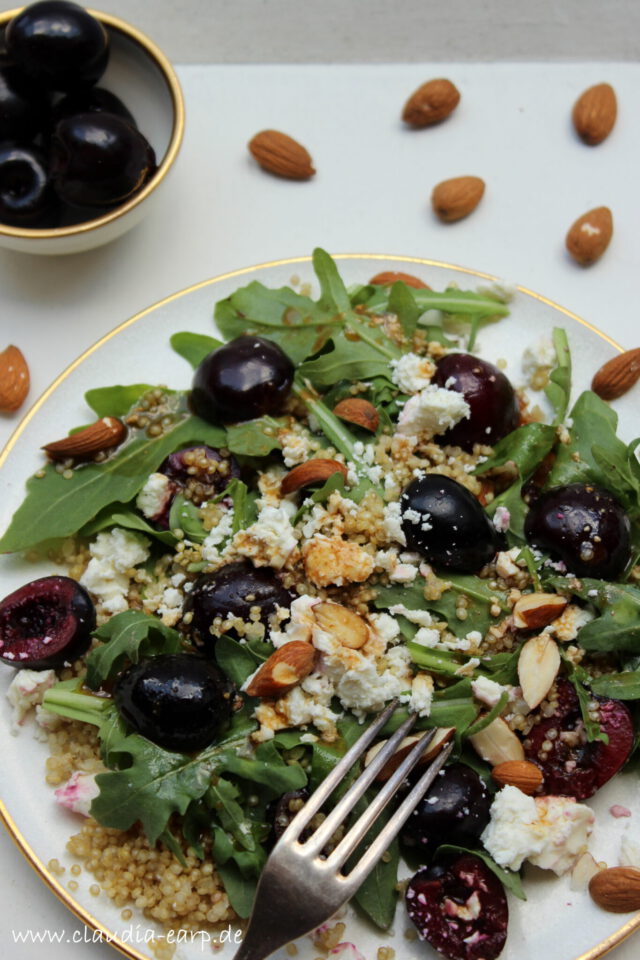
x=140, y=74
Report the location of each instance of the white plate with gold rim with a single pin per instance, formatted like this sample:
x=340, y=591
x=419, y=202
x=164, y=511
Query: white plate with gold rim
x=555, y=922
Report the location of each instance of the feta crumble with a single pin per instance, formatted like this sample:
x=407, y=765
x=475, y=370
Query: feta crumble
x=27, y=690
x=114, y=556
x=431, y=412
x=154, y=496
x=412, y=373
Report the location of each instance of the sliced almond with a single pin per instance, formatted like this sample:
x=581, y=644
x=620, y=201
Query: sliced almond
x=523, y=774
x=594, y=113
x=590, y=235
x=14, y=379
x=283, y=670
x=616, y=889
x=538, y=666
x=617, y=375
x=310, y=473
x=99, y=436
x=535, y=610
x=440, y=738
x=342, y=623
x=431, y=103
x=388, y=277
x=457, y=198
x=497, y=743
x=358, y=411
x=280, y=154
x=583, y=870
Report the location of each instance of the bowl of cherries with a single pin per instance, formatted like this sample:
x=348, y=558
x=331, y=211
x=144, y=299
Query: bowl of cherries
x=91, y=122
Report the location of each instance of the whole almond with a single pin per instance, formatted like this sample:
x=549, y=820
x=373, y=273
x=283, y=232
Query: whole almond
x=309, y=473
x=280, y=154
x=589, y=236
x=617, y=375
x=99, y=436
x=439, y=739
x=594, y=113
x=497, y=743
x=283, y=670
x=345, y=625
x=457, y=198
x=538, y=665
x=14, y=379
x=358, y=411
x=616, y=889
x=522, y=774
x=431, y=103
x=388, y=277
x=532, y=611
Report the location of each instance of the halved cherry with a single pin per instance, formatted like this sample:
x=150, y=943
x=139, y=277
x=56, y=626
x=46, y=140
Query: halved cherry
x=573, y=766
x=45, y=623
x=460, y=907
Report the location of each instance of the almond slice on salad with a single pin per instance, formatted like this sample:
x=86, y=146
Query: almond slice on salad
x=386, y=278
x=309, y=473
x=358, y=411
x=342, y=623
x=440, y=738
x=497, y=743
x=283, y=670
x=538, y=666
x=99, y=436
x=535, y=610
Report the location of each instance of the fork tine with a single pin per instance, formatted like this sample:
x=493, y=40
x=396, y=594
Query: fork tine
x=320, y=795
x=393, y=826
x=357, y=790
x=360, y=828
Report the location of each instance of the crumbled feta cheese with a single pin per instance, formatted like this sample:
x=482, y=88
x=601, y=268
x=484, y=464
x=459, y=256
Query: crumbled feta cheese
x=412, y=373
x=170, y=608
x=155, y=495
x=114, y=555
x=392, y=523
x=27, y=689
x=540, y=354
x=385, y=626
x=501, y=519
x=506, y=565
x=567, y=626
x=420, y=617
x=487, y=691
x=301, y=622
x=78, y=792
x=466, y=670
x=427, y=637
x=431, y=412
x=270, y=540
x=550, y=832
x=334, y=561
x=217, y=536
x=421, y=696
x=295, y=446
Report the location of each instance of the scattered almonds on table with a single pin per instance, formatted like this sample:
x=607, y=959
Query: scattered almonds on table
x=281, y=155
x=617, y=375
x=14, y=379
x=456, y=198
x=589, y=236
x=431, y=103
x=594, y=113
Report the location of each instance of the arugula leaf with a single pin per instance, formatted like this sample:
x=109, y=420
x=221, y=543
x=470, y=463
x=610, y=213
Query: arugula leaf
x=194, y=347
x=58, y=507
x=255, y=438
x=236, y=660
x=130, y=635
x=343, y=362
x=240, y=889
x=377, y=896
x=185, y=515
x=403, y=304
x=619, y=686
x=222, y=796
x=123, y=515
x=334, y=297
x=509, y=878
x=558, y=390
x=580, y=680
x=115, y=401
x=618, y=627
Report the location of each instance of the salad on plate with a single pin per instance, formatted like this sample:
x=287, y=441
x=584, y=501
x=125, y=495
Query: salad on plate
x=349, y=507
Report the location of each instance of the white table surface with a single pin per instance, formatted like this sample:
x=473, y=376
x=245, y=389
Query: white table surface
x=370, y=195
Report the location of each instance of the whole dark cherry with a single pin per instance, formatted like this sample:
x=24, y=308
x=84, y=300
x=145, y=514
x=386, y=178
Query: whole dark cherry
x=58, y=44
x=572, y=766
x=179, y=701
x=46, y=623
x=493, y=404
x=246, y=378
x=236, y=590
x=455, y=810
x=459, y=906
x=98, y=159
x=584, y=526
x=27, y=198
x=445, y=523
x=24, y=108
x=91, y=100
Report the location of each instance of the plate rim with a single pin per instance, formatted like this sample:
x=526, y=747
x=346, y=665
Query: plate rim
x=23, y=845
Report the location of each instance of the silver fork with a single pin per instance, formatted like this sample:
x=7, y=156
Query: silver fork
x=299, y=889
